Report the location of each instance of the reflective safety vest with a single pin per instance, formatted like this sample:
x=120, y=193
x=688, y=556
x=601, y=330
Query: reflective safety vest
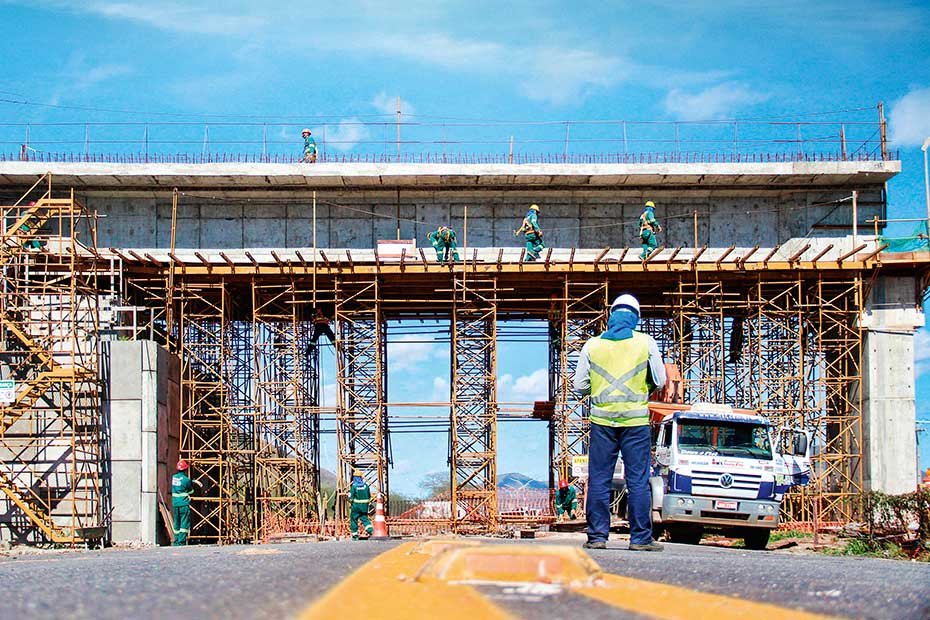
x=619, y=391
x=360, y=495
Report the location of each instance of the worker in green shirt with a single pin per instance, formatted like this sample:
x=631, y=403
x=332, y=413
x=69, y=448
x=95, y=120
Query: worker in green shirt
x=309, y=147
x=648, y=227
x=443, y=241
x=182, y=487
x=359, y=499
x=566, y=500
x=530, y=227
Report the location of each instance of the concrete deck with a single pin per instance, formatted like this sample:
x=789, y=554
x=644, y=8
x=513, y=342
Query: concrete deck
x=238, y=176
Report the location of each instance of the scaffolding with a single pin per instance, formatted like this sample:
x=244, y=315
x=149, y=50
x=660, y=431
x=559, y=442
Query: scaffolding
x=361, y=414
x=781, y=336
x=53, y=434
x=473, y=459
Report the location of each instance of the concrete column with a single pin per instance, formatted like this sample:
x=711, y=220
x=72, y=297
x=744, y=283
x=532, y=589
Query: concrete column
x=889, y=442
x=140, y=379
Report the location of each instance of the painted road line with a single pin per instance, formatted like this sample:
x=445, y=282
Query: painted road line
x=385, y=588
x=667, y=602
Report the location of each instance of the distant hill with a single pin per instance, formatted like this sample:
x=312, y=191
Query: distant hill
x=516, y=480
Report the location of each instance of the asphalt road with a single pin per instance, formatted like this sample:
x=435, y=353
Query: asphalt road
x=280, y=581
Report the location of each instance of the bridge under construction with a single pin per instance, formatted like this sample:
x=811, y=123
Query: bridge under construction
x=799, y=318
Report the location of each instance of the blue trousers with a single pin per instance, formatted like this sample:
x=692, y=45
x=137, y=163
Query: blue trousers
x=634, y=444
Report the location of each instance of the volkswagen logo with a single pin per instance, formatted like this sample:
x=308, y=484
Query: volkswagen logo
x=726, y=481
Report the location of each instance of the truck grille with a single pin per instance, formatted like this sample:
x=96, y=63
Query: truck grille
x=708, y=483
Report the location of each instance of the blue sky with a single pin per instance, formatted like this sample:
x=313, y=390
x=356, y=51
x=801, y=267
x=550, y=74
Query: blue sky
x=342, y=63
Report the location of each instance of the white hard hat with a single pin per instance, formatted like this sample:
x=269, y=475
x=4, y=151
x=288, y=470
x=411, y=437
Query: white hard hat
x=305, y=130
x=625, y=301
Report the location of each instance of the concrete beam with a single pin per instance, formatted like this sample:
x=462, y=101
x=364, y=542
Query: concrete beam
x=330, y=175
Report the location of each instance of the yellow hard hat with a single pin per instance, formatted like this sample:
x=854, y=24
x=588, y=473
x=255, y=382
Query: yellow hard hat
x=357, y=472
x=534, y=207
x=649, y=203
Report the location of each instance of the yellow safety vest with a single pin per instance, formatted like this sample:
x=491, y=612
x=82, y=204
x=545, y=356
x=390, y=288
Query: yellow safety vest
x=619, y=391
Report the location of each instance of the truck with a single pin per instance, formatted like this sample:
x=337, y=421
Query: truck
x=719, y=468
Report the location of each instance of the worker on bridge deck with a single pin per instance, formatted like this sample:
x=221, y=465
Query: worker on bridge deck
x=359, y=500
x=309, y=147
x=182, y=487
x=648, y=227
x=566, y=500
x=619, y=369
x=443, y=241
x=530, y=227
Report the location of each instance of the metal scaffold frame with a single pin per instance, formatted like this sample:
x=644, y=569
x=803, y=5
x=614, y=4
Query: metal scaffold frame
x=474, y=405
x=581, y=314
x=361, y=414
x=53, y=435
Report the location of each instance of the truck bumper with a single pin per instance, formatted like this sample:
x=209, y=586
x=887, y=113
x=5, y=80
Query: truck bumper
x=692, y=509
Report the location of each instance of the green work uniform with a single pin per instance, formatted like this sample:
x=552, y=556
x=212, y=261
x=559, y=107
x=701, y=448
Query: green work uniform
x=31, y=244
x=566, y=500
x=534, y=242
x=359, y=499
x=648, y=226
x=309, y=148
x=181, y=490
x=444, y=244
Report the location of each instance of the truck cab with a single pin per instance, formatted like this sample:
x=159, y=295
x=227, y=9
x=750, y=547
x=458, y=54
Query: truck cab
x=723, y=469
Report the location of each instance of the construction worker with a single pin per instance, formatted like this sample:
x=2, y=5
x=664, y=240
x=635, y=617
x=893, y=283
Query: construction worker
x=566, y=500
x=32, y=222
x=619, y=369
x=648, y=227
x=181, y=490
x=321, y=327
x=530, y=226
x=443, y=241
x=309, y=147
x=359, y=499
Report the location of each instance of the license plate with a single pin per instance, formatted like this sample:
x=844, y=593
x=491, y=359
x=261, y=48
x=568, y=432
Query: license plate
x=725, y=505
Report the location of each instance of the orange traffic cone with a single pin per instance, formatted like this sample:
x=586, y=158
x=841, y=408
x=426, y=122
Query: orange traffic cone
x=380, y=523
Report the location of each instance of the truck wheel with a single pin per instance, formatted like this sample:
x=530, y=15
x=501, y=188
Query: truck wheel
x=685, y=534
x=756, y=538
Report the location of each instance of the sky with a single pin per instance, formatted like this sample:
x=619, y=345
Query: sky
x=336, y=66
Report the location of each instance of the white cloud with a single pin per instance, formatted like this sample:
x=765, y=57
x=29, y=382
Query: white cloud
x=345, y=135
x=387, y=104
x=441, y=391
x=525, y=388
x=714, y=102
x=171, y=16
x=909, y=118
x=409, y=351
x=328, y=395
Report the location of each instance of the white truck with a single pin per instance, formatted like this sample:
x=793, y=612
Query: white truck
x=722, y=469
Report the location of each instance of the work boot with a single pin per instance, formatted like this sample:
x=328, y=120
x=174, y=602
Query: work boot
x=595, y=544
x=650, y=546
x=354, y=536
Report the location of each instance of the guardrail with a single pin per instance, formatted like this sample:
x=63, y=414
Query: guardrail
x=452, y=141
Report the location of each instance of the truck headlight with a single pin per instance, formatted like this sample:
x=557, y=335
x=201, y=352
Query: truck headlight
x=766, y=508
x=680, y=502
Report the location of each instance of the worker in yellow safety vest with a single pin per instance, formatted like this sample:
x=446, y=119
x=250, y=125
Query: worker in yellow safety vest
x=619, y=369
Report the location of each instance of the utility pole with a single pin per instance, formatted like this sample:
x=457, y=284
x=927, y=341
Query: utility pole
x=398, y=127
x=855, y=215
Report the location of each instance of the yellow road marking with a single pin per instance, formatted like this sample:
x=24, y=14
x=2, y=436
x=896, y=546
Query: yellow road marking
x=384, y=588
x=387, y=587
x=676, y=603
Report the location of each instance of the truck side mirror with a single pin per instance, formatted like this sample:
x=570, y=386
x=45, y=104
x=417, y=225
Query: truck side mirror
x=800, y=445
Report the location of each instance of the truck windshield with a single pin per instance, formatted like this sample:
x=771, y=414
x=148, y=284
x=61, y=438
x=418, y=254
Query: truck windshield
x=724, y=438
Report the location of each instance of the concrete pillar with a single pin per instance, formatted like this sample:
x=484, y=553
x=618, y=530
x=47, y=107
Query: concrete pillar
x=889, y=443
x=141, y=387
